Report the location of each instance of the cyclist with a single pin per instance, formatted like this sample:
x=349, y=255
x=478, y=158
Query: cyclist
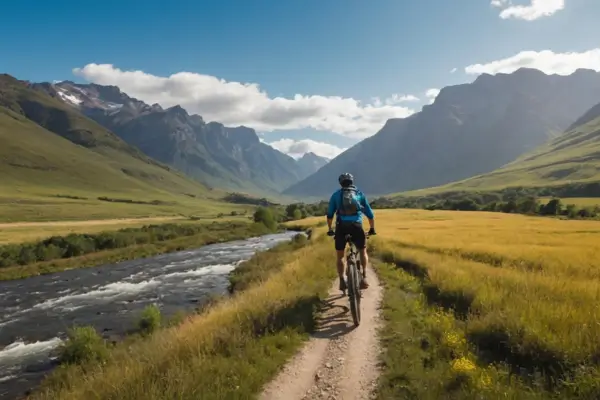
x=349, y=203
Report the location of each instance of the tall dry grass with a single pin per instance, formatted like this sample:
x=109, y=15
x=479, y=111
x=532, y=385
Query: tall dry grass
x=526, y=289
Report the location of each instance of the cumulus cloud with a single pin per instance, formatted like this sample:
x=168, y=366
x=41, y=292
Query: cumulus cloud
x=431, y=94
x=534, y=10
x=297, y=148
x=546, y=61
x=453, y=70
x=235, y=103
x=394, y=99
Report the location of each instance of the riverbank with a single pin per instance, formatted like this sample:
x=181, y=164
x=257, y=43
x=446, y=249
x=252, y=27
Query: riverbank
x=59, y=253
x=229, y=351
x=111, y=299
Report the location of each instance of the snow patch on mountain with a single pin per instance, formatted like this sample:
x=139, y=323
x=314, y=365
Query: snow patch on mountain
x=69, y=97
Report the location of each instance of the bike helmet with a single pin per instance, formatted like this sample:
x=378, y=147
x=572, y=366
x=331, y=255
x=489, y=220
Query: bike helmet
x=346, y=179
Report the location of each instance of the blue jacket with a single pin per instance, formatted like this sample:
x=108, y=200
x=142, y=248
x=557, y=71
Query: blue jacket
x=335, y=205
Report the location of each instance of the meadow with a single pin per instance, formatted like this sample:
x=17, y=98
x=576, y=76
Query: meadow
x=522, y=291
x=476, y=305
x=45, y=207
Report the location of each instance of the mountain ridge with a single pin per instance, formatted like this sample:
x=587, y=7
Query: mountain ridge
x=232, y=158
x=569, y=159
x=469, y=129
x=50, y=151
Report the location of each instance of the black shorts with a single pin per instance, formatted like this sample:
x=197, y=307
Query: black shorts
x=355, y=229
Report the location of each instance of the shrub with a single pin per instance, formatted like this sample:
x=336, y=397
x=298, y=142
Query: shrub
x=553, y=207
x=83, y=345
x=297, y=214
x=74, y=245
x=265, y=216
x=299, y=240
x=150, y=320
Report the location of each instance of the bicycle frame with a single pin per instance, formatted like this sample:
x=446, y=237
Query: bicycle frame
x=353, y=266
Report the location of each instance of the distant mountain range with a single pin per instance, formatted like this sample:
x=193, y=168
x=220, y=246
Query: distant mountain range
x=495, y=132
x=227, y=157
x=470, y=129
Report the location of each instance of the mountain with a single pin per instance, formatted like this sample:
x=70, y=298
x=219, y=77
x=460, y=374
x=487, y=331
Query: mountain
x=571, y=158
x=470, y=129
x=48, y=149
x=231, y=158
x=310, y=163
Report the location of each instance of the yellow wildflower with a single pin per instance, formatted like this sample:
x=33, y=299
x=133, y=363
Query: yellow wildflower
x=452, y=339
x=463, y=365
x=484, y=381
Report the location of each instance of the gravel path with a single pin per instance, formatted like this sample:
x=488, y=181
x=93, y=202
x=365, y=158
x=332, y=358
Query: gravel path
x=339, y=361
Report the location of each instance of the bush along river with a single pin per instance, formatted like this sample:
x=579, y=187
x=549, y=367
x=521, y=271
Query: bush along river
x=37, y=312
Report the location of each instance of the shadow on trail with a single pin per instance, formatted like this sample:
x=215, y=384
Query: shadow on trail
x=334, y=319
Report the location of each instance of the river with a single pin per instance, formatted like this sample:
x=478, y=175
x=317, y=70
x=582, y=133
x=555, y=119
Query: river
x=35, y=313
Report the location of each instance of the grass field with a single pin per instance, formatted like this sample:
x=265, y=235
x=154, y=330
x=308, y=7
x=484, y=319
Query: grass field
x=523, y=290
x=488, y=305
x=18, y=232
x=25, y=207
x=228, y=352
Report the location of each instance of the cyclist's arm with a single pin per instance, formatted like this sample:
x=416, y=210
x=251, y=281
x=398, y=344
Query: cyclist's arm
x=368, y=212
x=331, y=211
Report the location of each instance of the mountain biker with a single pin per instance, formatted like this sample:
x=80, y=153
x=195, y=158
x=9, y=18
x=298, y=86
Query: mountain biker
x=348, y=203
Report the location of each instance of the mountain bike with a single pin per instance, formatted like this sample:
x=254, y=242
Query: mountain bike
x=353, y=277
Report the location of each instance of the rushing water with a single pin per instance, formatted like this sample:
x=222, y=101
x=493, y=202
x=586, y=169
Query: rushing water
x=35, y=313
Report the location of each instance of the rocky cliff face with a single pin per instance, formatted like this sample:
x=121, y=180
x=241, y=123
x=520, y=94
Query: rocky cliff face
x=470, y=129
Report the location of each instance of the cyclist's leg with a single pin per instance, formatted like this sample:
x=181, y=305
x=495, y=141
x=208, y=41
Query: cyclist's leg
x=360, y=241
x=340, y=245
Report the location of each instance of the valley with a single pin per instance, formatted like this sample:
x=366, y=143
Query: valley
x=163, y=247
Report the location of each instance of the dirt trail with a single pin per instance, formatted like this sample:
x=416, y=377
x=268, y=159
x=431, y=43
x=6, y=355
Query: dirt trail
x=339, y=361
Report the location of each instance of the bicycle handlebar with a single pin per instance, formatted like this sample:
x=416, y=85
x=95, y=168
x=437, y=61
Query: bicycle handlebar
x=366, y=234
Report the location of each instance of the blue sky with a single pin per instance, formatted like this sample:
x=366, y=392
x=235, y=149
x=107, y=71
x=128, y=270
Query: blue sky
x=330, y=71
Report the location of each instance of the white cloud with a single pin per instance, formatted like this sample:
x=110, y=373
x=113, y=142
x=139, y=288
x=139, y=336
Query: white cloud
x=546, y=61
x=535, y=10
x=297, y=148
x=431, y=94
x=235, y=103
x=393, y=100
x=453, y=70
x=500, y=3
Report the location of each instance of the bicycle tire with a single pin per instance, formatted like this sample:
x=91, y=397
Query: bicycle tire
x=353, y=285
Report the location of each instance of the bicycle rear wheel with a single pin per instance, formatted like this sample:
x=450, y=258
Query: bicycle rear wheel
x=353, y=286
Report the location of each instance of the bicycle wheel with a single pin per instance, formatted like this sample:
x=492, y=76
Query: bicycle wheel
x=353, y=286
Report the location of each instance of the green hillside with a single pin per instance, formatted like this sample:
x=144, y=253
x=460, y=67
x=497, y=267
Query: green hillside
x=571, y=159
x=55, y=164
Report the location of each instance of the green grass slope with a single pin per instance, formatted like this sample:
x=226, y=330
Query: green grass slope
x=55, y=164
x=572, y=158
